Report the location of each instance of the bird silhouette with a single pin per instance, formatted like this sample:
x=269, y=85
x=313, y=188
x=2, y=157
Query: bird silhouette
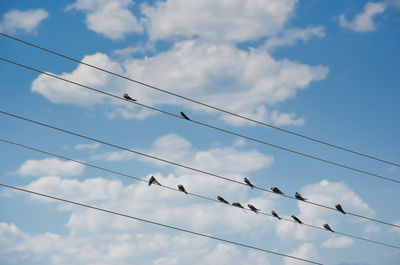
x=254, y=209
x=153, y=180
x=184, y=116
x=238, y=205
x=327, y=227
x=275, y=214
x=127, y=97
x=181, y=188
x=340, y=209
x=298, y=196
x=248, y=183
x=222, y=200
x=276, y=190
x=297, y=219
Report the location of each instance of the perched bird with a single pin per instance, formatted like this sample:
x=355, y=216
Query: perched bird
x=297, y=219
x=181, y=188
x=248, y=183
x=238, y=205
x=298, y=196
x=222, y=200
x=276, y=190
x=254, y=209
x=275, y=214
x=127, y=97
x=340, y=209
x=184, y=116
x=153, y=180
x=327, y=227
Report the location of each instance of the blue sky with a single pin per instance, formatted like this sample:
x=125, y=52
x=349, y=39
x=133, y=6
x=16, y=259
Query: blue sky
x=326, y=70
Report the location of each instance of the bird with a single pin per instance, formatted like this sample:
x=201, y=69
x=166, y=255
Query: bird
x=184, y=116
x=275, y=214
x=297, y=219
x=222, y=200
x=327, y=227
x=127, y=97
x=238, y=205
x=248, y=183
x=340, y=209
x=153, y=180
x=254, y=209
x=276, y=190
x=181, y=188
x=298, y=196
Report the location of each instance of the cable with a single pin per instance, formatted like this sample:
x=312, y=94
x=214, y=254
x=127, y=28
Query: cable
x=203, y=104
x=210, y=126
x=183, y=166
x=189, y=193
x=159, y=224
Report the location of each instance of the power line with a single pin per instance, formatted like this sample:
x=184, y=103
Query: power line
x=210, y=126
x=205, y=104
x=159, y=224
x=189, y=193
x=182, y=165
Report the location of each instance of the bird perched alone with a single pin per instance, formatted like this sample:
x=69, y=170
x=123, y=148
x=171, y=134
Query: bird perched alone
x=339, y=208
x=238, y=205
x=181, y=188
x=327, y=227
x=275, y=214
x=248, y=183
x=127, y=97
x=153, y=180
x=254, y=209
x=298, y=196
x=297, y=219
x=222, y=200
x=276, y=190
x=184, y=116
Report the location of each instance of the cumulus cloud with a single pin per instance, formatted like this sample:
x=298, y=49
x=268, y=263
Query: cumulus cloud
x=80, y=147
x=305, y=251
x=50, y=166
x=27, y=21
x=112, y=19
x=338, y=242
x=364, y=21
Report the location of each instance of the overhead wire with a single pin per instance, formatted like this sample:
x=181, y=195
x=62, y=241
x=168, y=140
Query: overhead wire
x=208, y=125
x=159, y=224
x=189, y=193
x=204, y=104
x=183, y=166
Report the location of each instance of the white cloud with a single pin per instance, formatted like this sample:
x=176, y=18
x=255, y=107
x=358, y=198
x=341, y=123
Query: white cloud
x=363, y=22
x=305, y=251
x=113, y=19
x=92, y=146
x=50, y=166
x=291, y=36
x=234, y=20
x=338, y=242
x=28, y=20
x=396, y=229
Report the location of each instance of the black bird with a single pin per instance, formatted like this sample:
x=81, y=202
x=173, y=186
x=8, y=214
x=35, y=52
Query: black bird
x=181, y=188
x=127, y=97
x=248, y=183
x=275, y=214
x=238, y=205
x=276, y=190
x=327, y=227
x=153, y=180
x=222, y=200
x=184, y=116
x=340, y=209
x=298, y=196
x=254, y=209
x=297, y=219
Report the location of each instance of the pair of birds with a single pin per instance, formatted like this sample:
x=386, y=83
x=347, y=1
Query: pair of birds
x=127, y=97
x=154, y=181
x=275, y=190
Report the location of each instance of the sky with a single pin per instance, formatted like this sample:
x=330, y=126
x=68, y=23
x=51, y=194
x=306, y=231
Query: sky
x=325, y=69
